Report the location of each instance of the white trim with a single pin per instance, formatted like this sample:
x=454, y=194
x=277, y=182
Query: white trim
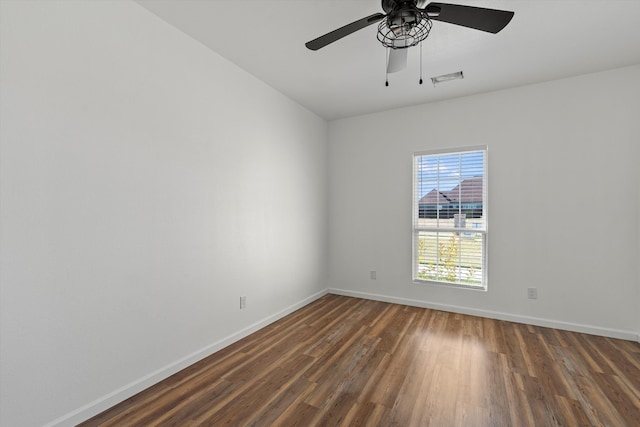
x=456, y=150
x=105, y=402
x=536, y=321
x=452, y=230
x=449, y=285
x=415, y=214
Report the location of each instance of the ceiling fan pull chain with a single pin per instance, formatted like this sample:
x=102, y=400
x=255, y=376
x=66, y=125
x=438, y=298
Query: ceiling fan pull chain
x=420, y=62
x=386, y=67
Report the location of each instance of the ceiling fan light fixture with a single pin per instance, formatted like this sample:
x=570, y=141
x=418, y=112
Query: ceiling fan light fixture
x=404, y=29
x=447, y=77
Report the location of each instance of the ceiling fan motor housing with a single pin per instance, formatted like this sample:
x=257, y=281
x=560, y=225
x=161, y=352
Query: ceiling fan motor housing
x=390, y=5
x=404, y=26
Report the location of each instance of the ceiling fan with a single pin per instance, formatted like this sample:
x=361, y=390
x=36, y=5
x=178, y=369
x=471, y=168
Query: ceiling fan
x=406, y=23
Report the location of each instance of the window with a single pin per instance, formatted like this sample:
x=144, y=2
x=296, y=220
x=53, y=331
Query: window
x=450, y=217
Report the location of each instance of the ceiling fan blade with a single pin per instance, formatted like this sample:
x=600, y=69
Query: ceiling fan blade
x=341, y=32
x=397, y=60
x=479, y=18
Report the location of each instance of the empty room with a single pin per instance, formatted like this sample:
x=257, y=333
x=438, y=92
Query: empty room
x=319, y=212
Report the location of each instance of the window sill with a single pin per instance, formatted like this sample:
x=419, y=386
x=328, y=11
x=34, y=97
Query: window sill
x=450, y=285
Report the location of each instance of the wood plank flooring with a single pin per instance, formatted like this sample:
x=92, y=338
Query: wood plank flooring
x=344, y=361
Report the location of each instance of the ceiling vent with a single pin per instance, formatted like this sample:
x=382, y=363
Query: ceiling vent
x=447, y=77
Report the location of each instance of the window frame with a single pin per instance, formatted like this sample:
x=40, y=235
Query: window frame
x=416, y=212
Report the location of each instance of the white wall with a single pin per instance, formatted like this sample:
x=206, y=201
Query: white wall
x=146, y=184
x=563, y=201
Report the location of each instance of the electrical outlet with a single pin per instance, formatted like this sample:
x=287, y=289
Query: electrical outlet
x=372, y=275
x=532, y=293
x=243, y=302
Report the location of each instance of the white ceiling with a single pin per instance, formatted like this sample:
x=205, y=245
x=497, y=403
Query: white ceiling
x=546, y=40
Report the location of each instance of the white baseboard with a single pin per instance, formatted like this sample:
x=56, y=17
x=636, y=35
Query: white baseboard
x=97, y=406
x=105, y=402
x=567, y=326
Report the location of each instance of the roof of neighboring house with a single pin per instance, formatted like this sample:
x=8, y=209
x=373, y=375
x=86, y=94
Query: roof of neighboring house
x=469, y=190
x=435, y=197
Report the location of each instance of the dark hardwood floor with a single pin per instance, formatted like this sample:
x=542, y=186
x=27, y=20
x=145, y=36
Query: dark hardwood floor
x=348, y=361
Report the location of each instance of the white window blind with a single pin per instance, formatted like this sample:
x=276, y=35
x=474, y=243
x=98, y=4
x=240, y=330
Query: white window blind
x=450, y=217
